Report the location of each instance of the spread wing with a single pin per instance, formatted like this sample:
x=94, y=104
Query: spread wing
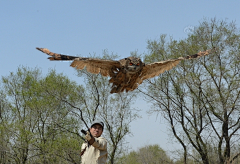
x=155, y=69
x=105, y=67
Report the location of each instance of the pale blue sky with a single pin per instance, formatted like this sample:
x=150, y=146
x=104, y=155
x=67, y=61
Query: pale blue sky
x=80, y=27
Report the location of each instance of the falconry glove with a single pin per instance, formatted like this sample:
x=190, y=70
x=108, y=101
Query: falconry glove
x=89, y=138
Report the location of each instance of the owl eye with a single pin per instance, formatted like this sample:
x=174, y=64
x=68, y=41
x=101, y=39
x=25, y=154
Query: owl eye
x=138, y=64
x=130, y=63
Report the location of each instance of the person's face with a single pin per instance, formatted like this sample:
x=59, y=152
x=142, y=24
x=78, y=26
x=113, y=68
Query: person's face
x=96, y=130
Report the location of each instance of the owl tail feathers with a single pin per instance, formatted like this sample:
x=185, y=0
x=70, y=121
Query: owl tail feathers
x=55, y=56
x=119, y=89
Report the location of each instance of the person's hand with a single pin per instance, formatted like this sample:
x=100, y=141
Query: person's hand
x=88, y=136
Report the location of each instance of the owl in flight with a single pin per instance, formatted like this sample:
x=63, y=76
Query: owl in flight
x=125, y=74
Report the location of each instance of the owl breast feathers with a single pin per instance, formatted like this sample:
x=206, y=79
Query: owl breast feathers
x=126, y=74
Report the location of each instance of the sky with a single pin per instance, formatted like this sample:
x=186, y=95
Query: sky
x=81, y=27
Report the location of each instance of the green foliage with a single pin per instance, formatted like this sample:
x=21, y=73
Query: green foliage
x=41, y=116
x=31, y=109
x=149, y=154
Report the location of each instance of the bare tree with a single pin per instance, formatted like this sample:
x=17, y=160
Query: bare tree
x=94, y=101
x=114, y=109
x=200, y=99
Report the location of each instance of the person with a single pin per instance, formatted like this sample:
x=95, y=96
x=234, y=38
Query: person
x=94, y=150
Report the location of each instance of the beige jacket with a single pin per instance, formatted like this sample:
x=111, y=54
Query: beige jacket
x=96, y=153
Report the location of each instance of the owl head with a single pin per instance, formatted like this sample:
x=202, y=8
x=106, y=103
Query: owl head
x=133, y=65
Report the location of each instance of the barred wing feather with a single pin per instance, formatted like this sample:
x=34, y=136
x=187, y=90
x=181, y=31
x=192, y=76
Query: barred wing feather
x=105, y=67
x=157, y=68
